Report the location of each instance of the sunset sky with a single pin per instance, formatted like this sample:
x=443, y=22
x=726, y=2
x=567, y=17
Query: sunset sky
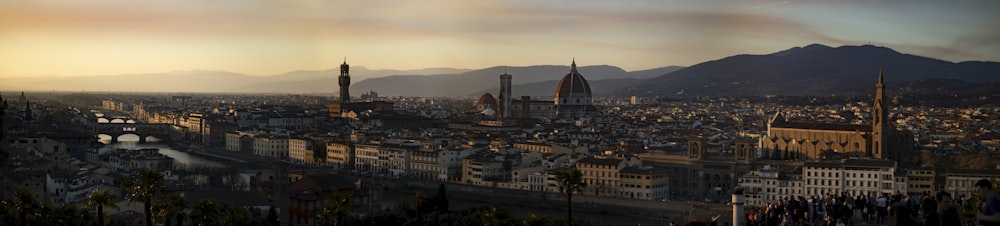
x=106, y=37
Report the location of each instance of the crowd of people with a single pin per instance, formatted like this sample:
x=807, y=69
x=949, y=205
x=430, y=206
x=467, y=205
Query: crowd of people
x=846, y=210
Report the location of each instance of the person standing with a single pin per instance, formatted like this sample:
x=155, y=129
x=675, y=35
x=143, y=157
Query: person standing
x=943, y=211
x=990, y=210
x=881, y=203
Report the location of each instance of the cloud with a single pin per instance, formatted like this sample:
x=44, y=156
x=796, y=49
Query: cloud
x=765, y=5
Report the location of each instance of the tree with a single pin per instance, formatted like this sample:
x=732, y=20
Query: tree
x=23, y=203
x=570, y=181
x=99, y=198
x=142, y=187
x=335, y=212
x=441, y=199
x=272, y=217
x=170, y=206
x=204, y=212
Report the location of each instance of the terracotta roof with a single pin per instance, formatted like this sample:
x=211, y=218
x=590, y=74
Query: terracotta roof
x=646, y=170
x=571, y=83
x=487, y=99
x=598, y=161
x=823, y=126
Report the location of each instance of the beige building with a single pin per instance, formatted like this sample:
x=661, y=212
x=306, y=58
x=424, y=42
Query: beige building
x=340, y=155
x=366, y=158
x=603, y=175
x=854, y=176
x=271, y=146
x=485, y=168
x=920, y=180
x=297, y=150
x=961, y=183
x=769, y=185
x=549, y=148
x=644, y=182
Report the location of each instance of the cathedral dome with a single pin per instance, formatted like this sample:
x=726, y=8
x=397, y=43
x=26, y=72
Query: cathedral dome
x=486, y=99
x=573, y=84
x=486, y=102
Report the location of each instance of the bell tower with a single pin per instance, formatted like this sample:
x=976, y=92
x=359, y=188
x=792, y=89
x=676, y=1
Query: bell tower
x=345, y=83
x=879, y=123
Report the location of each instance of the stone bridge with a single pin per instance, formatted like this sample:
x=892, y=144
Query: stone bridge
x=142, y=130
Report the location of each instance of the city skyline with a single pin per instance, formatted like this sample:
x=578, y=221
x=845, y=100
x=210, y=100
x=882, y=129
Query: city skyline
x=265, y=38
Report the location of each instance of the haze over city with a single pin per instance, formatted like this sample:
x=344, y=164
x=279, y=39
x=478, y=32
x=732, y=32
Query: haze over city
x=105, y=37
x=311, y=112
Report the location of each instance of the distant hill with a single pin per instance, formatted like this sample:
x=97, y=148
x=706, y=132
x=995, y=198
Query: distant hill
x=420, y=82
x=304, y=81
x=538, y=80
x=598, y=86
x=818, y=70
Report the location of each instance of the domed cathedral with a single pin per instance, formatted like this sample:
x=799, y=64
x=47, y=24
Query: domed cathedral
x=787, y=139
x=573, y=97
x=487, y=105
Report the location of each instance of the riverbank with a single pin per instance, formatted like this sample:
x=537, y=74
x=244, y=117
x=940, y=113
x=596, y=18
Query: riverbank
x=597, y=210
x=200, y=151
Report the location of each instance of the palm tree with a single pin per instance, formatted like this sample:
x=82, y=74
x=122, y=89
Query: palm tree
x=142, y=187
x=170, y=206
x=570, y=181
x=100, y=198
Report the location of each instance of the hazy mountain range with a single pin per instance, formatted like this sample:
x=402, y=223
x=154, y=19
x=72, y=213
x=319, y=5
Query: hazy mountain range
x=810, y=70
x=822, y=70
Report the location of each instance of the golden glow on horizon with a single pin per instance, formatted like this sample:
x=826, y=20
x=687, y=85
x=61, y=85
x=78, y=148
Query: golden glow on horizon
x=106, y=37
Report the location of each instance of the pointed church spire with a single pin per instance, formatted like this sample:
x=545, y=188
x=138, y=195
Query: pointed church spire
x=880, y=76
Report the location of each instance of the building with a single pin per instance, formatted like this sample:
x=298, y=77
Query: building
x=703, y=171
x=573, y=98
x=602, y=175
x=487, y=105
x=505, y=96
x=529, y=108
x=769, y=185
x=300, y=150
x=271, y=146
x=920, y=180
x=368, y=158
x=644, y=182
x=812, y=140
x=485, y=168
x=125, y=160
x=340, y=154
x=397, y=155
x=345, y=83
x=853, y=176
x=961, y=183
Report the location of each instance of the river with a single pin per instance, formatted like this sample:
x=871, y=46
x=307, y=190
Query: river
x=181, y=159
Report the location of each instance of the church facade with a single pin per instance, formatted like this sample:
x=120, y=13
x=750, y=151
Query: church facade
x=787, y=140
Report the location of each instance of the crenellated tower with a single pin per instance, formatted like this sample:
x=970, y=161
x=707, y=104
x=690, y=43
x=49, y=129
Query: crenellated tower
x=345, y=83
